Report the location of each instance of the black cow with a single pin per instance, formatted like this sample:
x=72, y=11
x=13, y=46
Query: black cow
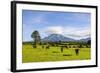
x=77, y=51
x=48, y=47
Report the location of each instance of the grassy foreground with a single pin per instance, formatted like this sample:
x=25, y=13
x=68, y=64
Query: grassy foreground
x=39, y=54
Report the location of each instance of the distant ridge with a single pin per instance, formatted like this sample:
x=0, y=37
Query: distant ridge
x=56, y=38
x=85, y=40
x=59, y=37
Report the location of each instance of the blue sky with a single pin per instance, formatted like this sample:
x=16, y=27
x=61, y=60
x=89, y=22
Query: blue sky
x=70, y=24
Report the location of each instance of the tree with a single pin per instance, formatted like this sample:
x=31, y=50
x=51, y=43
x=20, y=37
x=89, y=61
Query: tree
x=89, y=42
x=36, y=37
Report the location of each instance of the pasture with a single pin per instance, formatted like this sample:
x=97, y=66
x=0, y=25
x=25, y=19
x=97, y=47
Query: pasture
x=40, y=54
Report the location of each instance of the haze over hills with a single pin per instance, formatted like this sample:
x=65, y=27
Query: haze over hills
x=59, y=37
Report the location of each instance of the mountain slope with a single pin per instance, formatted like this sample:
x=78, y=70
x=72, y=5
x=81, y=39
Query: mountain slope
x=56, y=38
x=85, y=40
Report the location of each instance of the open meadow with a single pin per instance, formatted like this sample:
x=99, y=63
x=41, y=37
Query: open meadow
x=42, y=54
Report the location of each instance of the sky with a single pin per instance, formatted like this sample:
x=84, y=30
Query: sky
x=76, y=25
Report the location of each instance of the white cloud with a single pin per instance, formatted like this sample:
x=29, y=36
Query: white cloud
x=78, y=33
x=54, y=30
x=73, y=32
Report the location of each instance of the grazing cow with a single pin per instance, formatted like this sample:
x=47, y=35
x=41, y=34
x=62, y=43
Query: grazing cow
x=43, y=46
x=34, y=46
x=62, y=49
x=47, y=47
x=66, y=47
x=77, y=51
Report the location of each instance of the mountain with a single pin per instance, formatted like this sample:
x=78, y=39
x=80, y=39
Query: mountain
x=56, y=38
x=85, y=40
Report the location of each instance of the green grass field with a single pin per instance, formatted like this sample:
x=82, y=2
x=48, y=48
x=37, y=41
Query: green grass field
x=39, y=54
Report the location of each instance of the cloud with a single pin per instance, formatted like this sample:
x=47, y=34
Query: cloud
x=82, y=33
x=78, y=33
x=73, y=32
x=54, y=30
